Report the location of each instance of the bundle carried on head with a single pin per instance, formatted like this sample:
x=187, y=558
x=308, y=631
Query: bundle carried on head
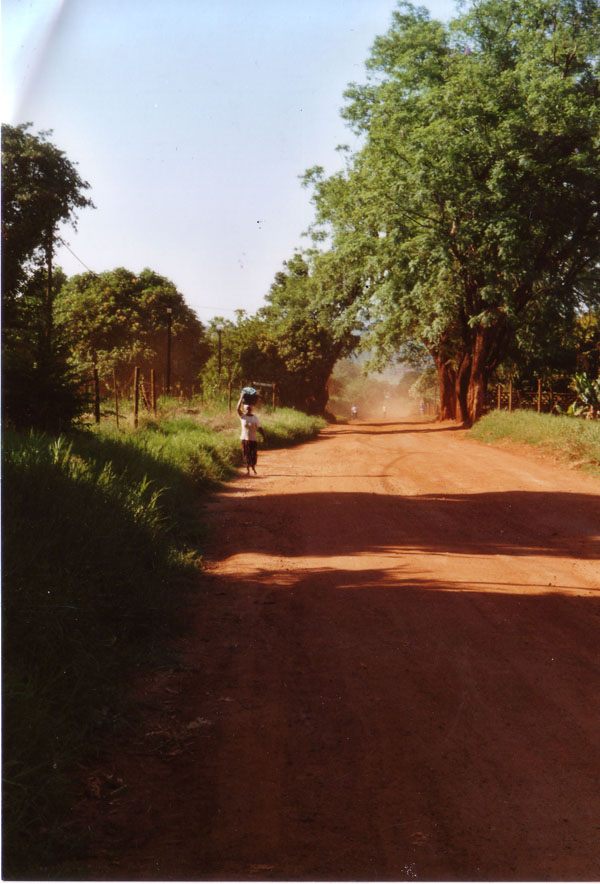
x=249, y=395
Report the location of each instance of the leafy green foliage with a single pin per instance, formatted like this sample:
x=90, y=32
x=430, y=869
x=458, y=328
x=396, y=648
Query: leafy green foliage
x=236, y=356
x=474, y=200
x=118, y=319
x=588, y=396
x=587, y=342
x=294, y=341
x=40, y=189
x=305, y=330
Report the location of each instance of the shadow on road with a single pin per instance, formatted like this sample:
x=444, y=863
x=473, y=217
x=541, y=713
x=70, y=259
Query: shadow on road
x=512, y=523
x=399, y=727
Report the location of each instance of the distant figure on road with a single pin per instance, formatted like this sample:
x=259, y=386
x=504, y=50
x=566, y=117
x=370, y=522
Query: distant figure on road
x=250, y=425
x=354, y=412
x=384, y=411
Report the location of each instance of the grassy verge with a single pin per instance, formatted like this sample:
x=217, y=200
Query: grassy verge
x=100, y=541
x=575, y=440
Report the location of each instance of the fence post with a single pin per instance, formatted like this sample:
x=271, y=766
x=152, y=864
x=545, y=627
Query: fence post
x=499, y=397
x=136, y=395
x=116, y=389
x=153, y=386
x=539, y=395
x=96, y=396
x=145, y=394
x=510, y=395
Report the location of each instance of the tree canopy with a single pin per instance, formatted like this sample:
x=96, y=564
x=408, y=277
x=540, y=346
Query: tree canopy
x=473, y=202
x=295, y=339
x=306, y=329
x=41, y=189
x=118, y=319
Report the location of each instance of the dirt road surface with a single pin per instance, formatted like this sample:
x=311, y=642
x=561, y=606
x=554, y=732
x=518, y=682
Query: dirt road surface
x=392, y=672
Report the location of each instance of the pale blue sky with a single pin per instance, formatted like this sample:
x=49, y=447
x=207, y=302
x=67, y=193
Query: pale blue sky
x=191, y=120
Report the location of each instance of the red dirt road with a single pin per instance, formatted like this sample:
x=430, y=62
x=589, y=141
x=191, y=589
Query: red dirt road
x=392, y=672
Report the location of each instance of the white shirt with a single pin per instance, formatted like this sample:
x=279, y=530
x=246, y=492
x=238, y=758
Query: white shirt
x=250, y=422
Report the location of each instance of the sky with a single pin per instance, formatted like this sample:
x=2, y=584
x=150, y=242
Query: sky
x=193, y=121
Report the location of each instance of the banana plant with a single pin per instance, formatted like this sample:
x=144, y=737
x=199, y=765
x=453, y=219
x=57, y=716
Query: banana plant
x=588, y=396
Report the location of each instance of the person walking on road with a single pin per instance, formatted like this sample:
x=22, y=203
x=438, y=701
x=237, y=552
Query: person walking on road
x=250, y=426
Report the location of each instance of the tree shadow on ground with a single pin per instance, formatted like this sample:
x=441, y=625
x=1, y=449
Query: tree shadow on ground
x=396, y=726
x=514, y=523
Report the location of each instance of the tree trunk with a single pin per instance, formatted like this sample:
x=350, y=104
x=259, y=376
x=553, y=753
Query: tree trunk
x=463, y=376
x=446, y=380
x=478, y=379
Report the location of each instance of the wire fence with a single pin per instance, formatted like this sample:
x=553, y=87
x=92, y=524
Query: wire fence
x=507, y=398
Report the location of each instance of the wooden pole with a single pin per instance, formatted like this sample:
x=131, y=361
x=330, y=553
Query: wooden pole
x=510, y=395
x=229, y=394
x=145, y=395
x=116, y=389
x=539, y=395
x=96, y=396
x=499, y=396
x=273, y=397
x=153, y=386
x=168, y=374
x=136, y=395
x=219, y=333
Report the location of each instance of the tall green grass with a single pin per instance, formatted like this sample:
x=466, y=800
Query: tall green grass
x=575, y=440
x=89, y=585
x=288, y=427
x=100, y=542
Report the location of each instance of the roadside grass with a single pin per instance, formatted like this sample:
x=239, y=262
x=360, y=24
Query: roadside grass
x=91, y=583
x=101, y=540
x=286, y=427
x=574, y=440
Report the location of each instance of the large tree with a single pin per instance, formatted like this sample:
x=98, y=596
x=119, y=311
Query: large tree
x=475, y=195
x=307, y=327
x=236, y=357
x=296, y=339
x=119, y=319
x=41, y=189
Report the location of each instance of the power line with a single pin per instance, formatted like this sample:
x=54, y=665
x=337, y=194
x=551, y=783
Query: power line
x=226, y=309
x=83, y=264
x=198, y=307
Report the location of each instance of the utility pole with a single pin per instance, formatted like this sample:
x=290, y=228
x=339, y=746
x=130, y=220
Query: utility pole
x=219, y=329
x=168, y=375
